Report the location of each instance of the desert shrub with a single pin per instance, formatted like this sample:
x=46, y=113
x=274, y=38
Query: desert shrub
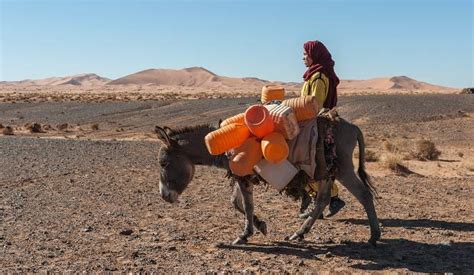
x=371, y=156
x=8, y=131
x=426, y=150
x=62, y=127
x=95, y=126
x=387, y=145
x=35, y=128
x=391, y=161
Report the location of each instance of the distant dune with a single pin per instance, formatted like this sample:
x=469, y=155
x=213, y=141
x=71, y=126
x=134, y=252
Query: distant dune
x=198, y=77
x=189, y=77
x=76, y=80
x=392, y=83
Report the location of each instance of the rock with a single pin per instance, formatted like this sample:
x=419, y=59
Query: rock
x=88, y=229
x=126, y=232
x=328, y=255
x=301, y=263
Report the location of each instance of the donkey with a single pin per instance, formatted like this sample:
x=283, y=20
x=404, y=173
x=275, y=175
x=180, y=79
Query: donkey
x=184, y=148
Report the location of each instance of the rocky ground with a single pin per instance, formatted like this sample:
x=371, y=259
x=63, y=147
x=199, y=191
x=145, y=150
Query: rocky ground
x=84, y=196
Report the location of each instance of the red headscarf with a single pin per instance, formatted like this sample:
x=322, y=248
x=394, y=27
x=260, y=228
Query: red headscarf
x=322, y=62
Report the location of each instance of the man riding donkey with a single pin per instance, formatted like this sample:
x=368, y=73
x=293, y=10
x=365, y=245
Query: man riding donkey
x=320, y=81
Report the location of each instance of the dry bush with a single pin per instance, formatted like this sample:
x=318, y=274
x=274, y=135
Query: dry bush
x=1, y=126
x=62, y=127
x=8, y=131
x=371, y=156
x=426, y=150
x=35, y=128
x=387, y=145
x=95, y=126
x=391, y=161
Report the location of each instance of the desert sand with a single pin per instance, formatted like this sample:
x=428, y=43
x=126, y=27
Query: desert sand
x=82, y=193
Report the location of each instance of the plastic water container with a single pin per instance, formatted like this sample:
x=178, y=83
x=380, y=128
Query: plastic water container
x=245, y=157
x=274, y=147
x=258, y=120
x=272, y=92
x=284, y=119
x=226, y=138
x=277, y=175
x=239, y=119
x=305, y=107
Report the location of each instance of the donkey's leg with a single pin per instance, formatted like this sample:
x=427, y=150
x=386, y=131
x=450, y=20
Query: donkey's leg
x=362, y=193
x=322, y=200
x=238, y=204
x=246, y=189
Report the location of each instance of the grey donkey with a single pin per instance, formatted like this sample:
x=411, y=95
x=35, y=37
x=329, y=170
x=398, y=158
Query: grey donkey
x=184, y=148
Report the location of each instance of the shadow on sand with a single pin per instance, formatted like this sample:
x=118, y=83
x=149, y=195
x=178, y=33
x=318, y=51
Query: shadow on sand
x=389, y=253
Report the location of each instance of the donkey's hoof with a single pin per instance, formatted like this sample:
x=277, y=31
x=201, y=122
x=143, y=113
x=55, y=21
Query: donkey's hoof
x=296, y=237
x=240, y=240
x=262, y=227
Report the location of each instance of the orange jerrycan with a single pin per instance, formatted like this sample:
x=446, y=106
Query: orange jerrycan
x=274, y=147
x=226, y=138
x=305, y=107
x=239, y=119
x=272, y=92
x=258, y=120
x=245, y=157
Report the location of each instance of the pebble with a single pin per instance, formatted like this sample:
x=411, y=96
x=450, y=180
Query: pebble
x=126, y=232
x=88, y=229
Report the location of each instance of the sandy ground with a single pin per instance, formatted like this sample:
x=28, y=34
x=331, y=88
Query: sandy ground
x=85, y=198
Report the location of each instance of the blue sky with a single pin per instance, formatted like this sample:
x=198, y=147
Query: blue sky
x=429, y=40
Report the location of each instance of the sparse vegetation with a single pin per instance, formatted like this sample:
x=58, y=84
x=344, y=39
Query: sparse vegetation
x=95, y=126
x=8, y=131
x=35, y=128
x=371, y=156
x=426, y=150
x=62, y=127
x=391, y=161
x=387, y=145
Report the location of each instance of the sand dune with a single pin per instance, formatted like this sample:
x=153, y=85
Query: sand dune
x=198, y=77
x=189, y=77
x=390, y=83
x=76, y=80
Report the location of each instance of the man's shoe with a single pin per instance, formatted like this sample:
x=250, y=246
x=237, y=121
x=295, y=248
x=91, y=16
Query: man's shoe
x=335, y=206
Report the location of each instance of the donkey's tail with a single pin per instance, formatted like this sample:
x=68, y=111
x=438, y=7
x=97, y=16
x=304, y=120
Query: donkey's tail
x=361, y=171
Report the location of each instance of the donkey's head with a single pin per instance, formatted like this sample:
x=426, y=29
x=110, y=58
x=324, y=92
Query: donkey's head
x=177, y=169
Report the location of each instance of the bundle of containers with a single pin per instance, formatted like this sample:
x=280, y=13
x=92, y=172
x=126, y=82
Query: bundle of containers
x=256, y=139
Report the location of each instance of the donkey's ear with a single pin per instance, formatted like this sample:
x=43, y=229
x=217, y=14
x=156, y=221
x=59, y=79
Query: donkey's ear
x=163, y=136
